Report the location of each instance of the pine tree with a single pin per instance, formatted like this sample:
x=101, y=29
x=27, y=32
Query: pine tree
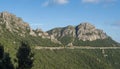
x=25, y=57
x=1, y=56
x=5, y=60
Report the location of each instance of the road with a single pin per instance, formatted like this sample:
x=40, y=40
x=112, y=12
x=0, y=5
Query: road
x=75, y=47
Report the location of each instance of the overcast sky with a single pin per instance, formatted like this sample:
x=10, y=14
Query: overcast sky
x=47, y=14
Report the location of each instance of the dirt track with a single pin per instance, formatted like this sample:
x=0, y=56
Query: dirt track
x=75, y=47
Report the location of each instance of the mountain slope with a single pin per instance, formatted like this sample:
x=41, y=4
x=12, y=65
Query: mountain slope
x=13, y=30
x=77, y=59
x=84, y=34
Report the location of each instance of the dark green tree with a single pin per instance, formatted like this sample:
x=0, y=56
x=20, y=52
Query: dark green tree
x=25, y=56
x=5, y=60
x=1, y=51
x=1, y=56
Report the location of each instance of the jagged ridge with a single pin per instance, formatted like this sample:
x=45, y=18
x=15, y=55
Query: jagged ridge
x=13, y=29
x=83, y=34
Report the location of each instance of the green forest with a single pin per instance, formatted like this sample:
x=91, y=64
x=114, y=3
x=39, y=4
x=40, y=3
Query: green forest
x=26, y=57
x=76, y=59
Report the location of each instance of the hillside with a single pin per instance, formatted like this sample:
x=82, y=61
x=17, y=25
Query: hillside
x=13, y=30
x=77, y=59
x=83, y=34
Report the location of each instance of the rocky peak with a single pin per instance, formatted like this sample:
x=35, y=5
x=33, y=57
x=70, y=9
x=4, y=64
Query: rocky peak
x=84, y=31
x=85, y=26
x=68, y=31
x=56, y=32
x=6, y=14
x=13, y=23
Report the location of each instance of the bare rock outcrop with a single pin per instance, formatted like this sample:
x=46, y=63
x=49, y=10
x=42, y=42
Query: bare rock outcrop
x=84, y=31
x=16, y=25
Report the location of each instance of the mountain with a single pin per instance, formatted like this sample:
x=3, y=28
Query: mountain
x=83, y=34
x=13, y=30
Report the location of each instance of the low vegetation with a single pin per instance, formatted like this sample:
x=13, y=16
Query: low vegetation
x=24, y=57
x=99, y=43
x=76, y=59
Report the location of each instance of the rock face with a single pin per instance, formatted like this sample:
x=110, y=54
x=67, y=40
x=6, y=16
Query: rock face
x=16, y=25
x=12, y=20
x=84, y=31
x=61, y=32
x=83, y=34
x=13, y=24
x=69, y=30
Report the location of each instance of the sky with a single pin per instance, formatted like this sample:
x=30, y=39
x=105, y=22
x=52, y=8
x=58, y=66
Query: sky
x=48, y=14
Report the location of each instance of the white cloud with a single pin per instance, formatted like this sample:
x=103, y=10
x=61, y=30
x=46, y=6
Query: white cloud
x=61, y=1
x=90, y=1
x=50, y=2
x=98, y=1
